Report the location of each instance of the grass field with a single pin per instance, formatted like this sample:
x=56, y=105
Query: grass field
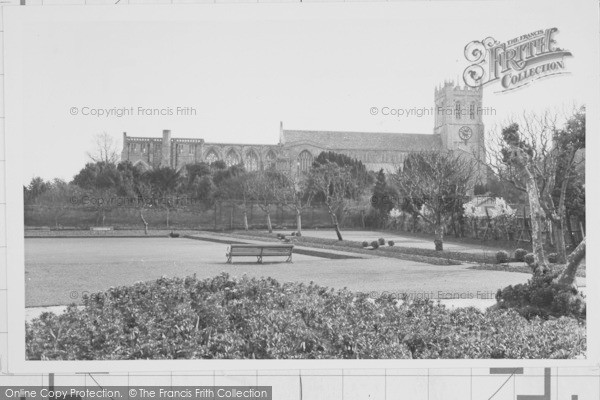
x=59, y=270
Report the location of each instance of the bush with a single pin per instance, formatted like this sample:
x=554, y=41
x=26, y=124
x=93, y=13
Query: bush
x=552, y=258
x=298, y=234
x=293, y=234
x=502, y=257
x=391, y=243
x=222, y=317
x=529, y=259
x=280, y=236
x=541, y=297
x=365, y=244
x=375, y=244
x=520, y=255
x=381, y=241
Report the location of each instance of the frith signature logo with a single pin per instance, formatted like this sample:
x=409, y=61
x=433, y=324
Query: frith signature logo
x=515, y=63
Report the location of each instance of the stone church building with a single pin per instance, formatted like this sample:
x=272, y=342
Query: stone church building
x=458, y=127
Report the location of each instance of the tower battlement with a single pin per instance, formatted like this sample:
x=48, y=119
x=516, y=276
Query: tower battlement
x=451, y=87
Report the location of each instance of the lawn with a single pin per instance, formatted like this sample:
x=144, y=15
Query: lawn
x=58, y=271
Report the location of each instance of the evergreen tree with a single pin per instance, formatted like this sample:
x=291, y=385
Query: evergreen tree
x=384, y=197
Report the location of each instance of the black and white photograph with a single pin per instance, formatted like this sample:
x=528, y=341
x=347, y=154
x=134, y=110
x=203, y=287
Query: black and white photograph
x=391, y=181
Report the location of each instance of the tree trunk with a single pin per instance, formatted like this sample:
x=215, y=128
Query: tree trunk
x=245, y=219
x=299, y=222
x=572, y=240
x=269, y=226
x=536, y=212
x=168, y=217
x=559, y=238
x=335, y=223
x=439, y=237
x=568, y=275
x=144, y=221
x=560, y=227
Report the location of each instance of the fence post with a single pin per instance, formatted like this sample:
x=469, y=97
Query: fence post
x=215, y=216
x=220, y=214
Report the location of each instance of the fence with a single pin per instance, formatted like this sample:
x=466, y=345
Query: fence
x=228, y=215
x=224, y=215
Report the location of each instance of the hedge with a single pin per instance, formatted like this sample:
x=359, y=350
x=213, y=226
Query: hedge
x=223, y=317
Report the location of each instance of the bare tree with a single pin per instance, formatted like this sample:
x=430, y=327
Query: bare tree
x=296, y=193
x=540, y=159
x=567, y=143
x=431, y=182
x=262, y=186
x=105, y=149
x=335, y=185
x=239, y=188
x=144, y=201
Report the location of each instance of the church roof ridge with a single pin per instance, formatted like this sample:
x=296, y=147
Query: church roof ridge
x=356, y=132
x=363, y=140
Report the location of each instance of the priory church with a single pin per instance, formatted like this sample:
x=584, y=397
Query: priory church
x=458, y=127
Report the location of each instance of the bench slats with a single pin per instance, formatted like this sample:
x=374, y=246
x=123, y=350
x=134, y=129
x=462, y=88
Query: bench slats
x=260, y=251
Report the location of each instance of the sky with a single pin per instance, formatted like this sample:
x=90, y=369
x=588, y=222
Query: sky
x=246, y=67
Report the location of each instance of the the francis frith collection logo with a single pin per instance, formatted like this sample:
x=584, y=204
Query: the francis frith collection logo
x=516, y=62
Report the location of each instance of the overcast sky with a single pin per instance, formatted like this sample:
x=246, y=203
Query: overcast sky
x=244, y=68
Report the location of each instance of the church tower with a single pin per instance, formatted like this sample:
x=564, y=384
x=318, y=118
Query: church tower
x=458, y=120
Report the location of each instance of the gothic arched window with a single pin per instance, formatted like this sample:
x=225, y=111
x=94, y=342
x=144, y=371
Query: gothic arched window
x=305, y=160
x=232, y=158
x=457, y=110
x=211, y=157
x=251, y=162
x=270, y=159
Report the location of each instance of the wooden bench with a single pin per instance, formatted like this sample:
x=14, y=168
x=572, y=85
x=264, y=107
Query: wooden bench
x=259, y=251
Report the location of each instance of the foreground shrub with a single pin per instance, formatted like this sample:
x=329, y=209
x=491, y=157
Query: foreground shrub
x=381, y=241
x=520, y=255
x=261, y=318
x=375, y=244
x=502, y=257
x=391, y=243
x=529, y=259
x=365, y=244
x=541, y=297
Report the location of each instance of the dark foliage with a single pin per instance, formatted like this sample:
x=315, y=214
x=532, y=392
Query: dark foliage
x=502, y=257
x=261, y=318
x=520, y=254
x=542, y=297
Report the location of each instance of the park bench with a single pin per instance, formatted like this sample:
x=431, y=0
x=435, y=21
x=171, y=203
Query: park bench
x=259, y=251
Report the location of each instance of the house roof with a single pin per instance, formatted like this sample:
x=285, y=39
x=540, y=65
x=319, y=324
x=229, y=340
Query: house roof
x=363, y=140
